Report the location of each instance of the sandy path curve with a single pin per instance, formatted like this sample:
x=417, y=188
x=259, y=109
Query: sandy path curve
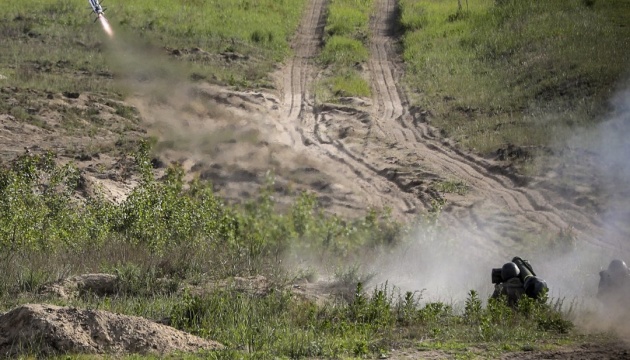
x=499, y=200
x=396, y=160
x=301, y=118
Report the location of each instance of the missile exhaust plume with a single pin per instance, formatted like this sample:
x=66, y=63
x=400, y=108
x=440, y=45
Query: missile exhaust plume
x=105, y=25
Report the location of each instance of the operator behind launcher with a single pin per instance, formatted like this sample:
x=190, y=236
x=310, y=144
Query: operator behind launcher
x=614, y=284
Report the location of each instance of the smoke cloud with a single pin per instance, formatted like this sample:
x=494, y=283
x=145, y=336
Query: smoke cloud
x=595, y=167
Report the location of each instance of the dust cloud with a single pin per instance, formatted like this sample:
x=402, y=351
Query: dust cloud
x=226, y=136
x=157, y=87
x=595, y=168
x=610, y=155
x=601, y=174
x=193, y=122
x=441, y=262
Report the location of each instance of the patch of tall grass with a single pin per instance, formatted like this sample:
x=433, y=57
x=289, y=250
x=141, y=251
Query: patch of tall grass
x=519, y=72
x=370, y=324
x=343, y=52
x=349, y=19
x=345, y=48
x=348, y=84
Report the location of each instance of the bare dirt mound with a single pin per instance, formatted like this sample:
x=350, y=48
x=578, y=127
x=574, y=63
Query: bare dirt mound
x=52, y=330
x=91, y=130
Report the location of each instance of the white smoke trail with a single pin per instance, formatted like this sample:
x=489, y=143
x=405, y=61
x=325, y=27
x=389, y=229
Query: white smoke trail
x=106, y=26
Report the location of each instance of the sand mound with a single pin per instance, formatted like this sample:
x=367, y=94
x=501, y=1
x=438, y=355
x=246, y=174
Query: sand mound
x=49, y=329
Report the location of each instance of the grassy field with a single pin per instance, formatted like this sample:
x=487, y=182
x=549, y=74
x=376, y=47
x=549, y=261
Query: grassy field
x=345, y=49
x=515, y=72
x=57, y=46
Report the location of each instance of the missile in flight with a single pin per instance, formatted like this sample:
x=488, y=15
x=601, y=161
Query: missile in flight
x=97, y=8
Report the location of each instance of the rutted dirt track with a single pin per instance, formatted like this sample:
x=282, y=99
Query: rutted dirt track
x=391, y=157
x=303, y=119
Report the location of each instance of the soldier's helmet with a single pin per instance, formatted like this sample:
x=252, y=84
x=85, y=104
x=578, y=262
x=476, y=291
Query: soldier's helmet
x=509, y=270
x=618, y=268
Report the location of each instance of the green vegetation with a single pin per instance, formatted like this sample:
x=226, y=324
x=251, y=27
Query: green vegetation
x=348, y=83
x=343, y=52
x=345, y=49
x=514, y=72
x=56, y=46
x=168, y=236
x=39, y=216
x=349, y=18
x=184, y=229
x=457, y=187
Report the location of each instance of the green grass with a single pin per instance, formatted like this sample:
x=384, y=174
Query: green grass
x=516, y=72
x=349, y=18
x=55, y=45
x=345, y=49
x=343, y=52
x=166, y=237
x=168, y=234
x=348, y=84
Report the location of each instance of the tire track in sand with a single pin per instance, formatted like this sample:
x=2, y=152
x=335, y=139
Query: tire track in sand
x=300, y=118
x=498, y=207
x=512, y=205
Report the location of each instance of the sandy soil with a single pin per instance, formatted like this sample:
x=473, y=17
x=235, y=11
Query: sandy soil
x=585, y=352
x=61, y=330
x=385, y=154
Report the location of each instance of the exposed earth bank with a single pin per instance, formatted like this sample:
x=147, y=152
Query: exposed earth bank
x=55, y=329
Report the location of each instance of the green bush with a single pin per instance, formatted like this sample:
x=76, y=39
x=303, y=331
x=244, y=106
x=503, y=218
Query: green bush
x=37, y=212
x=167, y=234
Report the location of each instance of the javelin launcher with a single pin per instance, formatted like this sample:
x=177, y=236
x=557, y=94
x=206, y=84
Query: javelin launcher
x=534, y=286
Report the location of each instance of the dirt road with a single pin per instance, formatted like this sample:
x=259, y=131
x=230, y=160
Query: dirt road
x=384, y=155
